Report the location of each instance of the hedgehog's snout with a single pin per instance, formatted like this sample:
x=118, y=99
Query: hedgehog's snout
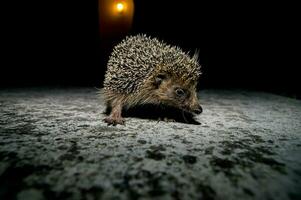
x=196, y=109
x=199, y=110
x=194, y=104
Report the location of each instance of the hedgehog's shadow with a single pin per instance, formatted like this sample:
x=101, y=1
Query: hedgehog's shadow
x=155, y=112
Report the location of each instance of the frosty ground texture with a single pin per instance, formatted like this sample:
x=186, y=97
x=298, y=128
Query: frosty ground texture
x=54, y=145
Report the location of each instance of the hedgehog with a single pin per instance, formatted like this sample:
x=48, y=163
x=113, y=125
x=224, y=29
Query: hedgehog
x=144, y=70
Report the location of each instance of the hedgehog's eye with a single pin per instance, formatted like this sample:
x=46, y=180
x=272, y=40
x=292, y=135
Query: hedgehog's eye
x=180, y=92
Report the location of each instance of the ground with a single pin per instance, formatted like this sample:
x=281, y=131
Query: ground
x=54, y=145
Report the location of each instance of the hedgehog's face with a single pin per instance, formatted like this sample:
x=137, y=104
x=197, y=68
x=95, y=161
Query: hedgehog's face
x=174, y=92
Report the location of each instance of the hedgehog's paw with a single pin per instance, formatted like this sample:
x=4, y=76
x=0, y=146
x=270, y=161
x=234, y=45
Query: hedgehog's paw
x=114, y=121
x=169, y=119
x=165, y=119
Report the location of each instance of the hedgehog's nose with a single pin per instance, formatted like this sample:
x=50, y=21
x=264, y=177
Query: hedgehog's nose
x=199, y=110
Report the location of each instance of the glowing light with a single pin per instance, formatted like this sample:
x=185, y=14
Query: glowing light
x=119, y=7
x=115, y=17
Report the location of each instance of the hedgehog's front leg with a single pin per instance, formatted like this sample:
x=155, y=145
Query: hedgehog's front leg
x=115, y=116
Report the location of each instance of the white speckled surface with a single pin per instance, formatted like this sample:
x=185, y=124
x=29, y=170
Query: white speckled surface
x=54, y=145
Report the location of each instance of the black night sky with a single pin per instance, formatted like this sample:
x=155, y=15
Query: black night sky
x=244, y=45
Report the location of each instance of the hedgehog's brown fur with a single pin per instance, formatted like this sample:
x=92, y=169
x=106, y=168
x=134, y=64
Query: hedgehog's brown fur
x=133, y=68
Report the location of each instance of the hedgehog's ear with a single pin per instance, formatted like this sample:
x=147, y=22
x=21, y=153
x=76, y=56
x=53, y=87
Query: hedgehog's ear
x=159, y=79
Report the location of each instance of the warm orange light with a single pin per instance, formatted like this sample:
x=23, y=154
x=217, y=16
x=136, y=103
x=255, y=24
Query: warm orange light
x=115, y=17
x=119, y=7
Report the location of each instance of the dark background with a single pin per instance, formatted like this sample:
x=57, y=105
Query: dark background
x=248, y=45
